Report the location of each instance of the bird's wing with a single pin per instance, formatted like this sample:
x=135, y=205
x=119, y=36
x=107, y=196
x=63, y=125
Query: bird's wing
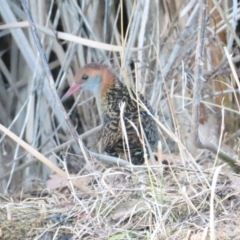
x=113, y=134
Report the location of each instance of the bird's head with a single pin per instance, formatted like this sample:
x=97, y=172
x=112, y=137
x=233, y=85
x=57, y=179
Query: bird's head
x=96, y=78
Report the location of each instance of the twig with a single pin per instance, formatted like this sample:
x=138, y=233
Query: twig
x=197, y=88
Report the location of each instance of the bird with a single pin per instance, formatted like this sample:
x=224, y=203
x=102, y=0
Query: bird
x=119, y=107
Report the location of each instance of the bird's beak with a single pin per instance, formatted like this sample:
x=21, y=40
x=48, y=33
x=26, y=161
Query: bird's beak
x=71, y=90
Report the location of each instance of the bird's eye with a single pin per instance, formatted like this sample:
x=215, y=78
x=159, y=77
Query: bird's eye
x=84, y=77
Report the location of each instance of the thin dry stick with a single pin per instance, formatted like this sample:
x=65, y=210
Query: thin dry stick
x=55, y=150
x=101, y=157
x=71, y=38
x=212, y=205
x=197, y=88
x=42, y=158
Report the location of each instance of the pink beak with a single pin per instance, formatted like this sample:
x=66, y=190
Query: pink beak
x=71, y=90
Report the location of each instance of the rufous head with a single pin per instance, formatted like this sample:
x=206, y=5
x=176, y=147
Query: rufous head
x=96, y=78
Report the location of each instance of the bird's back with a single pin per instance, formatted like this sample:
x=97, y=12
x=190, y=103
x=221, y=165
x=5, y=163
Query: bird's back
x=135, y=118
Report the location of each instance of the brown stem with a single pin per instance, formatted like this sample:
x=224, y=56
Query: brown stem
x=197, y=88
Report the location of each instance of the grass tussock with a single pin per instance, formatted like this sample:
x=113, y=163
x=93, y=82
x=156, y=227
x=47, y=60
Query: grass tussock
x=57, y=185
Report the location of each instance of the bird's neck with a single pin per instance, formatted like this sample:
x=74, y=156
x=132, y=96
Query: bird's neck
x=110, y=101
x=104, y=103
x=107, y=97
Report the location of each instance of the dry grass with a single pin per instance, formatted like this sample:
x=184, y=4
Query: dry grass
x=151, y=44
